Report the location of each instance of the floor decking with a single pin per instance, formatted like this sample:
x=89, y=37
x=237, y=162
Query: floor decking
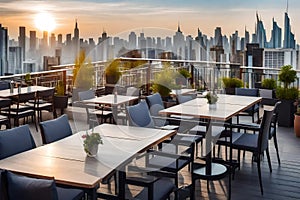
x=282, y=183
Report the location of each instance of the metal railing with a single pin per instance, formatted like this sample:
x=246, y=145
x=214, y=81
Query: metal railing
x=205, y=74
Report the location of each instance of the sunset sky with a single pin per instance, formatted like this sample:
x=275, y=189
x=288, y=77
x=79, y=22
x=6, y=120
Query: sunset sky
x=116, y=16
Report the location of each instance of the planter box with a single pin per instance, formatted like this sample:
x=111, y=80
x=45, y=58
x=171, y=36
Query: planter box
x=230, y=91
x=60, y=102
x=286, y=113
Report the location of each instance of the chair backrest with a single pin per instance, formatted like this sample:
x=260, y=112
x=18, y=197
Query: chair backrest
x=139, y=115
x=55, y=129
x=45, y=94
x=247, y=92
x=88, y=94
x=25, y=97
x=5, y=103
x=132, y=91
x=155, y=104
x=263, y=137
x=184, y=98
x=22, y=187
x=4, y=85
x=15, y=140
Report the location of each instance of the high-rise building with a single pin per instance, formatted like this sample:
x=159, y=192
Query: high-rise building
x=22, y=39
x=32, y=40
x=15, y=60
x=132, y=40
x=289, y=38
x=76, y=40
x=52, y=41
x=59, y=40
x=218, y=37
x=260, y=33
x=3, y=50
x=275, y=41
x=45, y=40
x=179, y=44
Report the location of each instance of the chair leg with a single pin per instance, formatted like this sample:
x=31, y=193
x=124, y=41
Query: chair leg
x=259, y=174
x=276, y=147
x=269, y=160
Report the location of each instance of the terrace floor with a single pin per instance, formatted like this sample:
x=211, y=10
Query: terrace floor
x=282, y=183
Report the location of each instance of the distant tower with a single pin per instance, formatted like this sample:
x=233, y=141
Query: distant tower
x=76, y=39
x=45, y=39
x=32, y=40
x=218, y=37
x=22, y=36
x=179, y=44
x=3, y=50
x=289, y=38
x=132, y=40
x=275, y=36
x=260, y=33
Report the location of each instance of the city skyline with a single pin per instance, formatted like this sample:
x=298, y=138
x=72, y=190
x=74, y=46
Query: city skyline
x=115, y=16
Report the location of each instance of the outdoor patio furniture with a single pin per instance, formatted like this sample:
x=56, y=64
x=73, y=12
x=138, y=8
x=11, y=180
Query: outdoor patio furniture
x=15, y=140
x=55, y=129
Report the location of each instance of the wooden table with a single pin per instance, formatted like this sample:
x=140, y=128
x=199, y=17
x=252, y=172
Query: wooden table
x=110, y=100
x=227, y=107
x=66, y=161
x=7, y=94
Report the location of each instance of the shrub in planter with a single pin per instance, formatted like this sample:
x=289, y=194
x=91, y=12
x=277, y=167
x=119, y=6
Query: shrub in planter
x=269, y=83
x=231, y=83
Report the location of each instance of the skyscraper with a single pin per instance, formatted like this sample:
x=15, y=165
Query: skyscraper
x=22, y=36
x=76, y=39
x=260, y=33
x=3, y=50
x=275, y=41
x=218, y=37
x=132, y=40
x=289, y=38
x=32, y=40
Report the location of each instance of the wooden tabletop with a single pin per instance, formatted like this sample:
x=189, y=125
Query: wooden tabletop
x=6, y=93
x=66, y=161
x=226, y=107
x=109, y=99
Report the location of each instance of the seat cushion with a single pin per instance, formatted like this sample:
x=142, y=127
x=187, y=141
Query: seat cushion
x=246, y=142
x=25, y=188
x=165, y=163
x=162, y=189
x=69, y=194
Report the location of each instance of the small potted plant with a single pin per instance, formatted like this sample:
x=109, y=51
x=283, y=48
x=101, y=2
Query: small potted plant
x=212, y=99
x=60, y=100
x=231, y=83
x=91, y=142
x=287, y=95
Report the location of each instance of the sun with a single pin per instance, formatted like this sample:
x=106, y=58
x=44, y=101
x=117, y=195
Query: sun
x=45, y=22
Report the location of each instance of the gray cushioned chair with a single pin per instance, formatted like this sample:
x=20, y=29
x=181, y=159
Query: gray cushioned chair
x=55, y=129
x=26, y=188
x=15, y=140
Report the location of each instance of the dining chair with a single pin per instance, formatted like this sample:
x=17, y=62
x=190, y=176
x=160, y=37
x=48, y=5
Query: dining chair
x=5, y=117
x=254, y=92
x=55, y=129
x=44, y=101
x=22, y=108
x=155, y=105
x=139, y=115
x=273, y=128
x=95, y=114
x=15, y=140
x=257, y=143
x=27, y=188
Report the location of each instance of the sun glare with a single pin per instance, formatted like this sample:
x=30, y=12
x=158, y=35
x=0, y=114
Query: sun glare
x=45, y=22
